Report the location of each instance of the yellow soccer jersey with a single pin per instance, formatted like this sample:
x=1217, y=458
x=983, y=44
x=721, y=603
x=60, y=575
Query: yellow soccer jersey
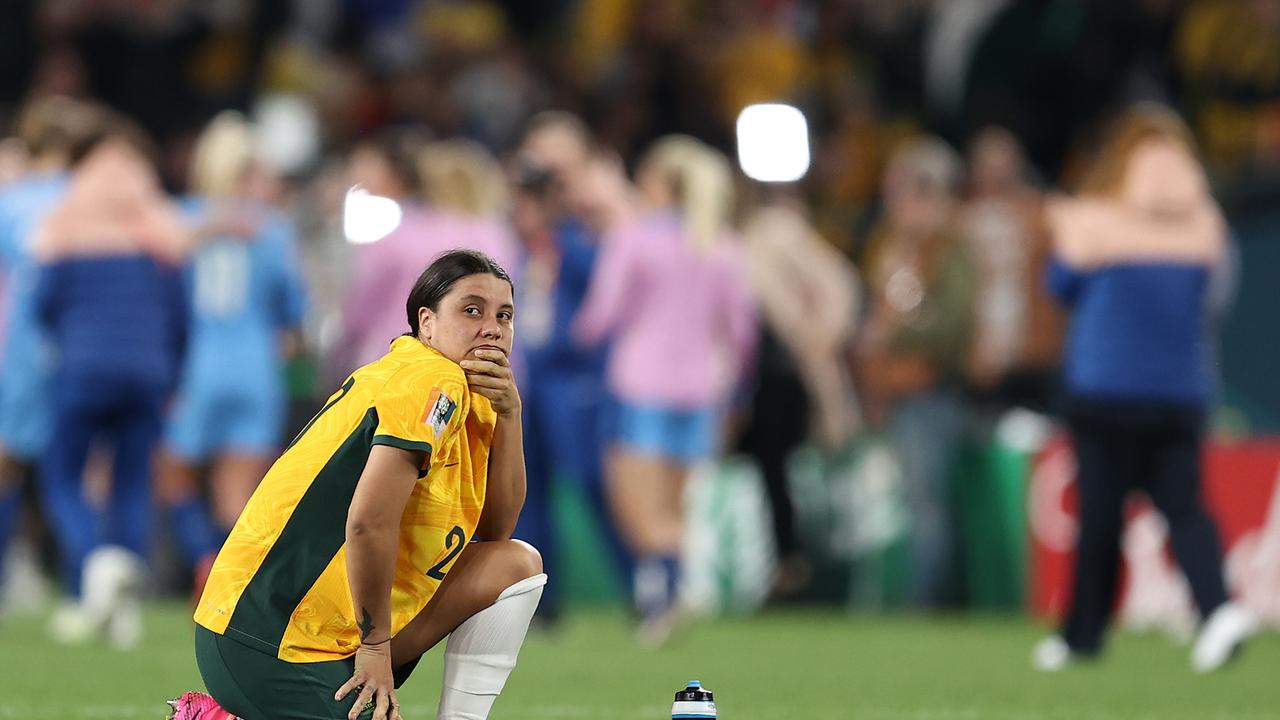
x=280, y=582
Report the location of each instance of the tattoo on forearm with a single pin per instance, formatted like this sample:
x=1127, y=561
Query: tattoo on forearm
x=365, y=625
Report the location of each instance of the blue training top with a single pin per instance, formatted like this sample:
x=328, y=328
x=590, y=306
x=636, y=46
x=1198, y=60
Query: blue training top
x=22, y=207
x=557, y=351
x=244, y=291
x=115, y=319
x=1138, y=332
x=25, y=416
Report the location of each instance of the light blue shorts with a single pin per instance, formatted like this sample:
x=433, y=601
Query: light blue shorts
x=242, y=419
x=684, y=435
x=26, y=420
x=26, y=393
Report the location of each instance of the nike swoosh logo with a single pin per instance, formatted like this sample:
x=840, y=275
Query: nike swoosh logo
x=450, y=464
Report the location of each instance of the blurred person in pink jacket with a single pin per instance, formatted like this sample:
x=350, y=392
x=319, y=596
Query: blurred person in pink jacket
x=671, y=291
x=464, y=196
x=467, y=190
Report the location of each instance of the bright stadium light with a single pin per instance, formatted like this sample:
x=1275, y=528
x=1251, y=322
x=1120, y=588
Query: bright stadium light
x=773, y=143
x=368, y=218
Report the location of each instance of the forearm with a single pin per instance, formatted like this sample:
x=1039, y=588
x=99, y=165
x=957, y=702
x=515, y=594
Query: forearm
x=505, y=491
x=1090, y=233
x=371, y=552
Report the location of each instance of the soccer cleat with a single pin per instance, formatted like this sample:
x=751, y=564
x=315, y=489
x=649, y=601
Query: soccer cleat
x=197, y=706
x=1221, y=637
x=71, y=625
x=1051, y=654
x=113, y=579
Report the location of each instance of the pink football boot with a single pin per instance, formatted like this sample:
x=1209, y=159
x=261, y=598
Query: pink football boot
x=197, y=706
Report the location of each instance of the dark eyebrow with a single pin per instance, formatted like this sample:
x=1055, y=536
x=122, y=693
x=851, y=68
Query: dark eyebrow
x=477, y=298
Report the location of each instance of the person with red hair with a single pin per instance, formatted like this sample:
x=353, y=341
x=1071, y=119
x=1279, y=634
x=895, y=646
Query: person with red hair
x=1134, y=254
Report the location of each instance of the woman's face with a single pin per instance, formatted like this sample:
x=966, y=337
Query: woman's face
x=655, y=188
x=917, y=204
x=475, y=314
x=605, y=192
x=1163, y=176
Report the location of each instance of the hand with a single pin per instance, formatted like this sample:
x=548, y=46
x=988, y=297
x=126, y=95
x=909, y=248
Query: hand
x=490, y=375
x=377, y=684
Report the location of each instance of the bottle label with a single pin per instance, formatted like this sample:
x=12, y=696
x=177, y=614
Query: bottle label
x=693, y=710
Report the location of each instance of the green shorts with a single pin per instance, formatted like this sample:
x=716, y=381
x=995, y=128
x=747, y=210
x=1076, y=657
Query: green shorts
x=256, y=686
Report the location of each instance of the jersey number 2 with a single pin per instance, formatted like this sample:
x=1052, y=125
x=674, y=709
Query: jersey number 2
x=453, y=542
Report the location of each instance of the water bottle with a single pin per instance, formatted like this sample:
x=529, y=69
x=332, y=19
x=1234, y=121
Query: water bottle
x=694, y=703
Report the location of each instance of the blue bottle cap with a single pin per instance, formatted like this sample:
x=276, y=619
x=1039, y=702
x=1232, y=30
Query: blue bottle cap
x=695, y=683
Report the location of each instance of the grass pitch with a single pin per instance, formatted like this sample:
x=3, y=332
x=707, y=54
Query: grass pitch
x=801, y=665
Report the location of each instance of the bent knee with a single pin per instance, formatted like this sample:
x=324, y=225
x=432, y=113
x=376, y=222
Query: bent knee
x=526, y=560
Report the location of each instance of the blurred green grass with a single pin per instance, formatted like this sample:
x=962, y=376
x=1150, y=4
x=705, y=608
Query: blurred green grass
x=818, y=664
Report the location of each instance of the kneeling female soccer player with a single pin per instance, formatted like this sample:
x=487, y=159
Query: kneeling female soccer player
x=384, y=527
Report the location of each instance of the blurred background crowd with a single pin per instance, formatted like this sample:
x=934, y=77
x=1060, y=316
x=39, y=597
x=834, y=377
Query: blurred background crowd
x=211, y=212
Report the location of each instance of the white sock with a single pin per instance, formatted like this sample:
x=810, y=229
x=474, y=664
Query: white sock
x=482, y=652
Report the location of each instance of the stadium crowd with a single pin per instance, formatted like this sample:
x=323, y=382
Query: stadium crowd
x=211, y=212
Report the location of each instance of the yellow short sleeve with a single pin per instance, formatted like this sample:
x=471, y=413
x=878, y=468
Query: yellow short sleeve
x=419, y=411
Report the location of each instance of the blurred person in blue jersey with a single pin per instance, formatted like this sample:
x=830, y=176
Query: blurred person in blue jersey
x=111, y=297
x=48, y=127
x=1133, y=256
x=672, y=292
x=566, y=401
x=247, y=301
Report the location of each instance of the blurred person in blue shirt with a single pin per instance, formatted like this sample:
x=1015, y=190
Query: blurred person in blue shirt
x=48, y=127
x=1133, y=260
x=111, y=297
x=565, y=399
x=247, y=301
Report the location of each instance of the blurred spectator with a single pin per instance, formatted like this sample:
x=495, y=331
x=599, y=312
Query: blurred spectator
x=914, y=346
x=808, y=296
x=464, y=184
x=49, y=128
x=464, y=207
x=605, y=199
x=111, y=256
x=848, y=161
x=662, y=79
x=13, y=160
x=1132, y=261
x=1017, y=328
x=247, y=303
x=672, y=292
x=566, y=402
x=760, y=59
x=386, y=166
x=1230, y=61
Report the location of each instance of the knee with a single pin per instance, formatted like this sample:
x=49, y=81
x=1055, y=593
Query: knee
x=526, y=561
